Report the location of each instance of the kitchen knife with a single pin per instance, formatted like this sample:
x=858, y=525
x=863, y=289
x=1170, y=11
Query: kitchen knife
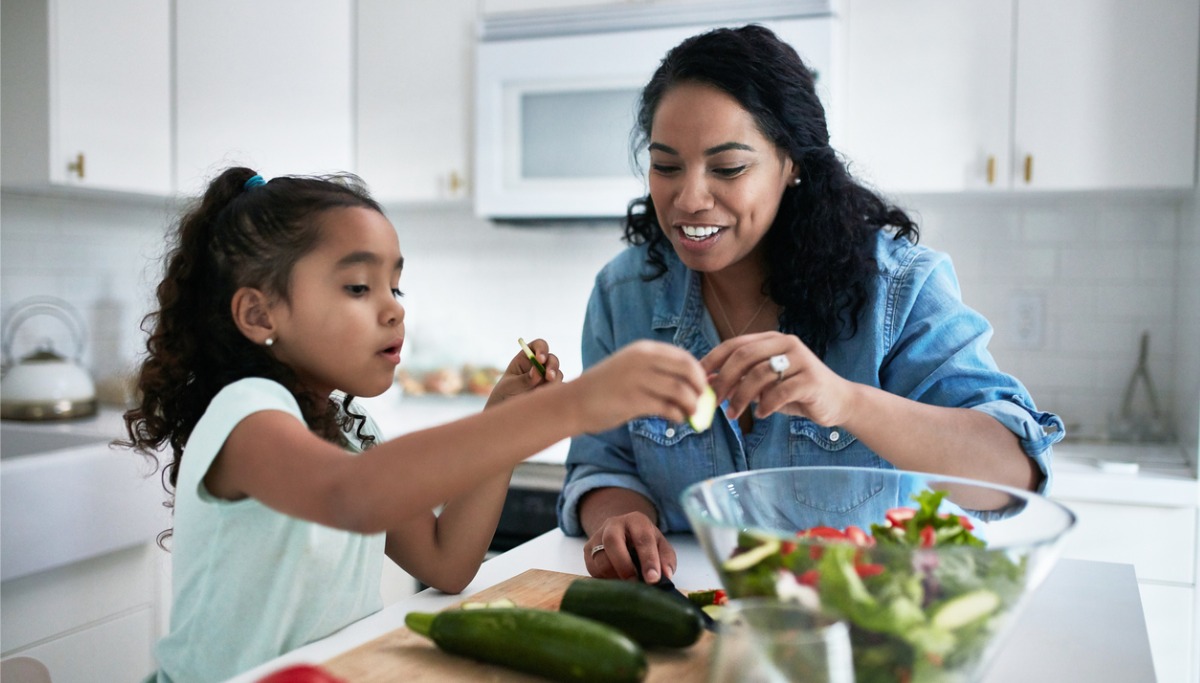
x=667, y=585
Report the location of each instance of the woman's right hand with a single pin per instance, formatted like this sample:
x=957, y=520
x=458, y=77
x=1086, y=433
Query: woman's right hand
x=643, y=378
x=622, y=535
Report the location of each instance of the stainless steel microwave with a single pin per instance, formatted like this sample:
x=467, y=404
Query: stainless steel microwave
x=555, y=97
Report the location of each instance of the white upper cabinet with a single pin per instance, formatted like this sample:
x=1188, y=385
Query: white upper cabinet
x=266, y=84
x=87, y=95
x=945, y=96
x=414, y=98
x=1106, y=94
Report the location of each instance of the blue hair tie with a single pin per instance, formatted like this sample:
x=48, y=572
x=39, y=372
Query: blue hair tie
x=254, y=181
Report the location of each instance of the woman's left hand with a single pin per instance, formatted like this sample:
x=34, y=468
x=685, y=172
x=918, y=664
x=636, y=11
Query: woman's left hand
x=740, y=369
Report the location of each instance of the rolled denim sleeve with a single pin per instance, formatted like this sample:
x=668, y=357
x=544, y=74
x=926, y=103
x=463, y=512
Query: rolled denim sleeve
x=1037, y=431
x=938, y=355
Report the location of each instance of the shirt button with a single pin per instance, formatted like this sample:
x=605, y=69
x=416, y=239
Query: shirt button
x=834, y=436
x=670, y=432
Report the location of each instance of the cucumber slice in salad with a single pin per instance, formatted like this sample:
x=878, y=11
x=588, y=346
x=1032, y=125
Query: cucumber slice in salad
x=965, y=609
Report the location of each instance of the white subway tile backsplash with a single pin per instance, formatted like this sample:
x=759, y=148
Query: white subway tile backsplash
x=1106, y=270
x=1099, y=264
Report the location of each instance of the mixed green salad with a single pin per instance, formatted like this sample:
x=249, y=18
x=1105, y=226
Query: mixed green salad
x=921, y=592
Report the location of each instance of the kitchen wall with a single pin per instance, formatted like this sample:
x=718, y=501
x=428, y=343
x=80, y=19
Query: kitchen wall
x=1100, y=268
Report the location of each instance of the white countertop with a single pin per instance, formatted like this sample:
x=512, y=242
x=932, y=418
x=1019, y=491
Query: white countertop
x=1083, y=624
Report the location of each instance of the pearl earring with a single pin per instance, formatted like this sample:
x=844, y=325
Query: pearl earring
x=270, y=341
x=796, y=181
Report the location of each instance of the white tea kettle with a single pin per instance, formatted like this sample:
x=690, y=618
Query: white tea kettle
x=45, y=385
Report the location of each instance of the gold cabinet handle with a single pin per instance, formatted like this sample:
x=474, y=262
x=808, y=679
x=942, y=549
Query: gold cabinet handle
x=1028, y=168
x=455, y=182
x=991, y=169
x=76, y=166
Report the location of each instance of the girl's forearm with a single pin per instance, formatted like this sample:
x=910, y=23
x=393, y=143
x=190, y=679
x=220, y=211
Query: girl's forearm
x=952, y=441
x=447, y=553
x=416, y=472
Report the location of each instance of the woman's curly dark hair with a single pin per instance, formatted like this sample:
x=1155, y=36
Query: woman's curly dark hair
x=819, y=250
x=232, y=237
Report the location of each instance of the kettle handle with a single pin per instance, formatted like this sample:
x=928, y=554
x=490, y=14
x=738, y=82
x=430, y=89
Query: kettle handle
x=39, y=305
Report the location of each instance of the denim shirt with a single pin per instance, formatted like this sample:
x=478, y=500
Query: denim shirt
x=915, y=338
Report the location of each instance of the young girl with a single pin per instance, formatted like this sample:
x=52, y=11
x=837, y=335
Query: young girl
x=278, y=307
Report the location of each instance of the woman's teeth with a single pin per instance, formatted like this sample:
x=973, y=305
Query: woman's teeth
x=699, y=232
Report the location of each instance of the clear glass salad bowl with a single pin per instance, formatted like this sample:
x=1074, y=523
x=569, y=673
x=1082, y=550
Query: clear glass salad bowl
x=929, y=571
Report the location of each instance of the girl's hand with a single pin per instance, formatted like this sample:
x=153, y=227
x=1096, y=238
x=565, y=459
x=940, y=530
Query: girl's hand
x=808, y=388
x=622, y=534
x=521, y=375
x=643, y=378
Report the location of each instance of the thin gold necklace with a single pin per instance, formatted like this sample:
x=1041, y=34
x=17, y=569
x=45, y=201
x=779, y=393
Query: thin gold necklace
x=721, y=308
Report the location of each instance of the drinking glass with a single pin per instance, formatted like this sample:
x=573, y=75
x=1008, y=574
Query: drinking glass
x=765, y=640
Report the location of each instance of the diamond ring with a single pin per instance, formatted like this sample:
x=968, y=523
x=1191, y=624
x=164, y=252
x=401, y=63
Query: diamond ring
x=597, y=548
x=779, y=364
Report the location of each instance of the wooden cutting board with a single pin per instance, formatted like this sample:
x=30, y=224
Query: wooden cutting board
x=402, y=655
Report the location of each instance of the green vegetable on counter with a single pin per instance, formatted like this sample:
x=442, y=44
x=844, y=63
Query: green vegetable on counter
x=557, y=645
x=645, y=613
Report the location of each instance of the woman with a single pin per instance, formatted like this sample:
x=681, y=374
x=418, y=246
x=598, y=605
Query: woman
x=830, y=337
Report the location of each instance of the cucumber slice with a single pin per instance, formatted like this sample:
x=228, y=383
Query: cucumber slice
x=965, y=609
x=532, y=359
x=706, y=407
x=753, y=556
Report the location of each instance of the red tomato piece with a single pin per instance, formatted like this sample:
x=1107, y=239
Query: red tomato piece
x=809, y=578
x=301, y=673
x=720, y=597
x=859, y=537
x=865, y=570
x=928, y=537
x=898, y=516
x=826, y=532
x=787, y=548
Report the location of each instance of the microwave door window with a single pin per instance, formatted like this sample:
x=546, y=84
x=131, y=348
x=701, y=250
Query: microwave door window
x=577, y=134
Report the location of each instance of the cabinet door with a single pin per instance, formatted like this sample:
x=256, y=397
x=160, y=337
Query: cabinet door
x=414, y=118
x=88, y=82
x=265, y=84
x=1105, y=94
x=927, y=94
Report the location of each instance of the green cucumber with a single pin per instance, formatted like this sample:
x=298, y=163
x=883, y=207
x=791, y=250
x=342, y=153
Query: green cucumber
x=556, y=645
x=647, y=614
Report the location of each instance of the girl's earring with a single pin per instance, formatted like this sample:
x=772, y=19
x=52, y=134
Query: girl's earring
x=796, y=181
x=270, y=341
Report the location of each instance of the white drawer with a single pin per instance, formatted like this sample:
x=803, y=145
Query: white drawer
x=1160, y=542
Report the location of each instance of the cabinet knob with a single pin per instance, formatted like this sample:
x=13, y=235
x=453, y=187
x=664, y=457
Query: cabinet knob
x=455, y=183
x=991, y=169
x=1028, y=168
x=76, y=166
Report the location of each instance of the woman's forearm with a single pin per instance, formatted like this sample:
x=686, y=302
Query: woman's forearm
x=952, y=441
x=598, y=505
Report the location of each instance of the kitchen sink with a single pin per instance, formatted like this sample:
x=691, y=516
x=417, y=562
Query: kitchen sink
x=67, y=496
x=16, y=442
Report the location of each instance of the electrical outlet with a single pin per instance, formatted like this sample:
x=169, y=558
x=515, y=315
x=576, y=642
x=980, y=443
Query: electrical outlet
x=1027, y=318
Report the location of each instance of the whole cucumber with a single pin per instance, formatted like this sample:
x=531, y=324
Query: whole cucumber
x=555, y=645
x=645, y=613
